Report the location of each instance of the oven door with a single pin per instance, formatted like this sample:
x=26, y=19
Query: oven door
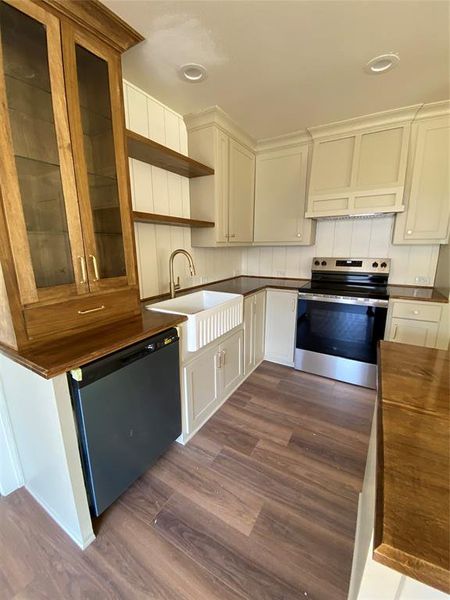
x=342, y=327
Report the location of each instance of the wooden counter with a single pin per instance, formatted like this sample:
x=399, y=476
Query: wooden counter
x=412, y=532
x=53, y=358
x=57, y=357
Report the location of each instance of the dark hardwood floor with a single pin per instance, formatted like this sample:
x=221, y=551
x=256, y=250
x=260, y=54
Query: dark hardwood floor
x=260, y=505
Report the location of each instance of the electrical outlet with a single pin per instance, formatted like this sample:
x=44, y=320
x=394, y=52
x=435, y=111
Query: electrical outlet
x=421, y=280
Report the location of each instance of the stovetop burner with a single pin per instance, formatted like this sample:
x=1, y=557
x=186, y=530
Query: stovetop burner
x=357, y=277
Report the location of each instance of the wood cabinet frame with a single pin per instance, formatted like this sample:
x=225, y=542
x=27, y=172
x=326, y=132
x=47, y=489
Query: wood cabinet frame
x=71, y=37
x=27, y=312
x=14, y=213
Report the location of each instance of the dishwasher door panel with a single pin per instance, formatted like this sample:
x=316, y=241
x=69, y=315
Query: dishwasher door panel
x=126, y=420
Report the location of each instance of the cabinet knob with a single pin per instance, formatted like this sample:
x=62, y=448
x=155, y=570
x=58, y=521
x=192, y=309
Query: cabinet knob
x=409, y=232
x=299, y=235
x=416, y=312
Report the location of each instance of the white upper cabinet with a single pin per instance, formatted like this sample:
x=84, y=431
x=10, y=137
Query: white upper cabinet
x=241, y=193
x=227, y=197
x=427, y=190
x=280, y=197
x=359, y=165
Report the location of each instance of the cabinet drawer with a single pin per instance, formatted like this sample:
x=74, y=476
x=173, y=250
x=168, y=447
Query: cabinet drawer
x=80, y=313
x=416, y=311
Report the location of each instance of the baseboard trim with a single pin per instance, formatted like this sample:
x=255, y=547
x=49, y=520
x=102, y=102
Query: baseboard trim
x=81, y=543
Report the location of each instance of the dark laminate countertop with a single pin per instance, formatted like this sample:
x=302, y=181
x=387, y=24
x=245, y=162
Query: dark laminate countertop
x=412, y=533
x=425, y=294
x=60, y=356
x=57, y=357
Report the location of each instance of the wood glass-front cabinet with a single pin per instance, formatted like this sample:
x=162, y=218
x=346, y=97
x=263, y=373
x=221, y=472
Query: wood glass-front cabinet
x=67, y=242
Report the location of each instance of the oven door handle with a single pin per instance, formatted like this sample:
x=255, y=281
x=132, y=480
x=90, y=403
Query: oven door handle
x=344, y=299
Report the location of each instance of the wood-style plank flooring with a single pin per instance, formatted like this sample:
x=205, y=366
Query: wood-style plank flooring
x=260, y=505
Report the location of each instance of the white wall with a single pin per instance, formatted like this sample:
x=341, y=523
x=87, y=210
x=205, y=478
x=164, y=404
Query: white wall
x=43, y=428
x=159, y=191
x=156, y=190
x=415, y=265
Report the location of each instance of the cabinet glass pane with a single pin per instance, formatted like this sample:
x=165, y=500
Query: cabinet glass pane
x=28, y=92
x=95, y=105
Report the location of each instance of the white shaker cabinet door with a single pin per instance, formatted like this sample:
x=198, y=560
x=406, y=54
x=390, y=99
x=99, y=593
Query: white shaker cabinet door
x=241, y=193
x=259, y=326
x=417, y=333
x=231, y=362
x=280, y=197
x=426, y=220
x=202, y=387
x=281, y=318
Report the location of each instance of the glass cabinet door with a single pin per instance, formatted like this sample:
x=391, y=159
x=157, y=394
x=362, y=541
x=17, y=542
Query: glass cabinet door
x=37, y=175
x=96, y=113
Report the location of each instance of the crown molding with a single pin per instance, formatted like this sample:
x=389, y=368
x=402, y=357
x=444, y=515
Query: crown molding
x=380, y=119
x=288, y=140
x=214, y=115
x=434, y=109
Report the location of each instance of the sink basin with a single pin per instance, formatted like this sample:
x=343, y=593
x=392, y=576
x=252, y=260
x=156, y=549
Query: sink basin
x=210, y=314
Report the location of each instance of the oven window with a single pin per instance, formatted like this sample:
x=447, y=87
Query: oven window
x=346, y=330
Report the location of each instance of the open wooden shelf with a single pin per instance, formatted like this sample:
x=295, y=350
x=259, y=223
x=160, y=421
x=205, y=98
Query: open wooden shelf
x=146, y=150
x=144, y=217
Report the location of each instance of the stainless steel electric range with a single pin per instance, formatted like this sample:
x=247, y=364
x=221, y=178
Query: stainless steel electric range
x=341, y=317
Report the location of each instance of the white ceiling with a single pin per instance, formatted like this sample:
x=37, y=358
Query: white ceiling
x=279, y=66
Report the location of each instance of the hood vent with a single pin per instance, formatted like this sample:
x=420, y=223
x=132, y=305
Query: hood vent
x=352, y=217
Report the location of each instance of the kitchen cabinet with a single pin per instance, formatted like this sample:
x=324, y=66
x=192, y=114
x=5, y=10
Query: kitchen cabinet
x=427, y=191
x=241, y=193
x=280, y=197
x=227, y=197
x=254, y=330
x=209, y=378
x=201, y=387
x=359, y=165
x=418, y=323
x=281, y=319
x=67, y=240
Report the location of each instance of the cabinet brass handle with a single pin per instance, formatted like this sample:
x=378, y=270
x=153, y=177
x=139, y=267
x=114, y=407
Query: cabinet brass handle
x=395, y=333
x=94, y=264
x=219, y=360
x=91, y=310
x=224, y=353
x=232, y=235
x=83, y=269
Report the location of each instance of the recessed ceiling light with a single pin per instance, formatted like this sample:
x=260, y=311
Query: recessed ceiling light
x=193, y=72
x=382, y=63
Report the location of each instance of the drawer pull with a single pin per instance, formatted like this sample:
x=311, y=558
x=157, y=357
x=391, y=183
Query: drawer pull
x=94, y=264
x=91, y=310
x=416, y=312
x=232, y=235
x=395, y=333
x=409, y=232
x=83, y=269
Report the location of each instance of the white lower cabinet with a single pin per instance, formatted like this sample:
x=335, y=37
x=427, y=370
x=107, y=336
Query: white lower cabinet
x=231, y=363
x=417, y=333
x=418, y=323
x=281, y=317
x=254, y=330
x=209, y=378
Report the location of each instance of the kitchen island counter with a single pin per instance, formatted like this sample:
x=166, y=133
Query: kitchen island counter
x=412, y=523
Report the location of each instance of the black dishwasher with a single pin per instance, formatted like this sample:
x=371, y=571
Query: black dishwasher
x=128, y=410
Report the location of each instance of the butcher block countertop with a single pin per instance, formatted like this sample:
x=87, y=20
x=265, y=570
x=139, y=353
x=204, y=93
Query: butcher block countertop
x=412, y=532
x=57, y=357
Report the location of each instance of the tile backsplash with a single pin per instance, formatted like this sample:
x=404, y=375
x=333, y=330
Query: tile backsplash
x=156, y=190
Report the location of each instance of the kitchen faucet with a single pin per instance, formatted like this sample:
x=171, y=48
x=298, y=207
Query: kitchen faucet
x=174, y=286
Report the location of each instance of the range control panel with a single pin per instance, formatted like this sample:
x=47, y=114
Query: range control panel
x=351, y=265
